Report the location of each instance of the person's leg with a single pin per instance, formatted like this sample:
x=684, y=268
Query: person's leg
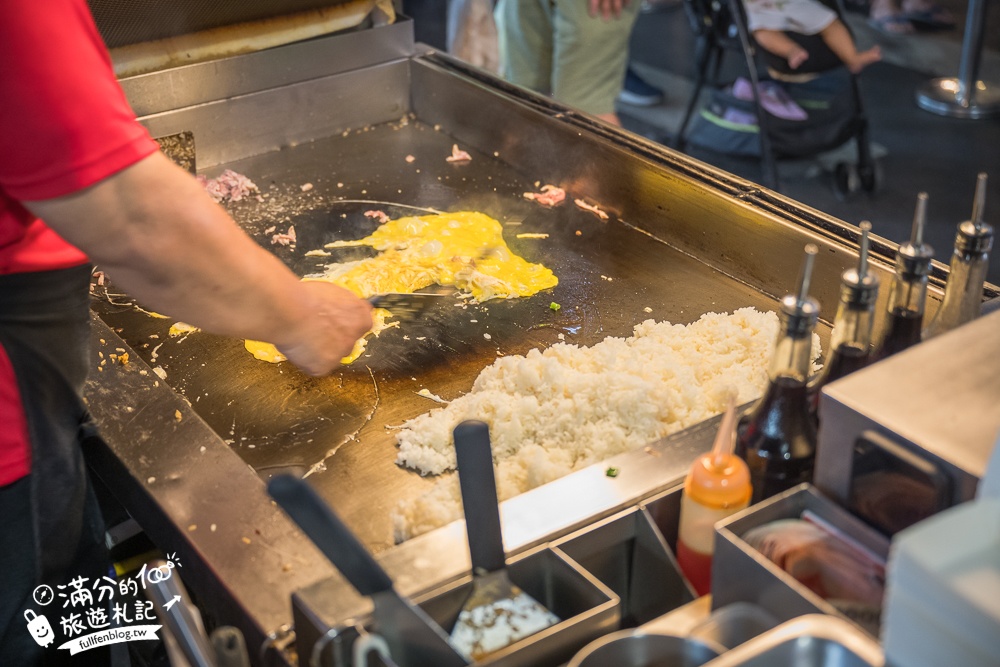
x=840, y=42
x=778, y=43
x=472, y=33
x=524, y=38
x=19, y=575
x=590, y=57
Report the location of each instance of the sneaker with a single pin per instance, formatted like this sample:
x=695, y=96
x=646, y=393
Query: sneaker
x=773, y=98
x=655, y=6
x=639, y=93
x=739, y=117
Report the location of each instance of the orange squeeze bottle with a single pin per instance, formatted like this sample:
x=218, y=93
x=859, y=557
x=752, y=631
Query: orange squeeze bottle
x=717, y=486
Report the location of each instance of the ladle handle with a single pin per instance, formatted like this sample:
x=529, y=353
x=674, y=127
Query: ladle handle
x=479, y=495
x=301, y=502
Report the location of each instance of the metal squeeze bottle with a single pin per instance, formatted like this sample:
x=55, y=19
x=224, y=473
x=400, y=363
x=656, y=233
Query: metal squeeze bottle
x=777, y=438
x=963, y=294
x=717, y=486
x=850, y=343
x=909, y=289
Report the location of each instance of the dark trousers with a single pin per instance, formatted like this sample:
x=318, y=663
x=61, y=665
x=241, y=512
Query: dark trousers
x=19, y=576
x=51, y=531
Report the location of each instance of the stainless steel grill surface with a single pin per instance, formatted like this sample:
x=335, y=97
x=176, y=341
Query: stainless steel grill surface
x=277, y=418
x=683, y=239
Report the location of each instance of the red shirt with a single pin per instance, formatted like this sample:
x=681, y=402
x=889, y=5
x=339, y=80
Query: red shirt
x=64, y=125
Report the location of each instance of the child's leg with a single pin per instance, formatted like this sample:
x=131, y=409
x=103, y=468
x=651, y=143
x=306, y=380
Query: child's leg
x=839, y=40
x=782, y=46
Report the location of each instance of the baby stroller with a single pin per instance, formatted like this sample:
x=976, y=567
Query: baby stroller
x=823, y=86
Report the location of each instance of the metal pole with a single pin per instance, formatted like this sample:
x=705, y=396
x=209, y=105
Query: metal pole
x=965, y=96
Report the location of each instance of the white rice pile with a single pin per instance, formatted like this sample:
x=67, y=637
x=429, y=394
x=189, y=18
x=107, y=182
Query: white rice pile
x=554, y=411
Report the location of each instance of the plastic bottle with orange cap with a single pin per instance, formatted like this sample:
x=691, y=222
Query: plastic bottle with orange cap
x=717, y=486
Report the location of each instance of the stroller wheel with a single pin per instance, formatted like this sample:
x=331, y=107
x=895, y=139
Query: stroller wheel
x=846, y=180
x=870, y=176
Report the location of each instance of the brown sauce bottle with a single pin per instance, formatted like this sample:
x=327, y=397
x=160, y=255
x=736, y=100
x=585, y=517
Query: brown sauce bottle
x=850, y=342
x=777, y=437
x=905, y=313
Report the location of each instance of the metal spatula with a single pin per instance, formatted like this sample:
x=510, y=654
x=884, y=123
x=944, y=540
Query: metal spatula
x=406, y=306
x=497, y=613
x=414, y=639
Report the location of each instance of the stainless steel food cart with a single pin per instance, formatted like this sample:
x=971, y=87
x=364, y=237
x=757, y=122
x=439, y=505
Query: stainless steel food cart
x=187, y=448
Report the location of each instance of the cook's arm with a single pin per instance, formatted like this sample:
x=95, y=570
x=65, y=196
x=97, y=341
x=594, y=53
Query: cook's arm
x=159, y=235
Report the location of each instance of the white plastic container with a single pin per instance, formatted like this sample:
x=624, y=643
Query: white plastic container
x=943, y=590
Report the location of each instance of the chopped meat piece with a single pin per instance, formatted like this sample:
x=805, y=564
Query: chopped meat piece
x=377, y=215
x=410, y=158
x=549, y=196
x=228, y=186
x=306, y=187
x=593, y=209
x=458, y=155
x=284, y=239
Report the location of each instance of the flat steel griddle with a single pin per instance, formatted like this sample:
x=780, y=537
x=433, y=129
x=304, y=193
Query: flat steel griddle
x=684, y=239
x=276, y=418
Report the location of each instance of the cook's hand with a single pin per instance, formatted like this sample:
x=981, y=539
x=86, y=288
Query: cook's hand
x=334, y=319
x=607, y=9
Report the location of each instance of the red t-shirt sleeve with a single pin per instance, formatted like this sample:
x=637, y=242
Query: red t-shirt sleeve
x=64, y=121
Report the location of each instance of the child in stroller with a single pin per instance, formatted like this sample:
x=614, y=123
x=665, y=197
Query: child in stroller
x=768, y=20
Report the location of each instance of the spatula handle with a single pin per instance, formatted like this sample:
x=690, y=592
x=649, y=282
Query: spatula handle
x=321, y=524
x=479, y=495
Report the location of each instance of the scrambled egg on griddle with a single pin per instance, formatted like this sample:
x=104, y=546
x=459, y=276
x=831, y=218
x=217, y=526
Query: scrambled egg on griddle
x=463, y=249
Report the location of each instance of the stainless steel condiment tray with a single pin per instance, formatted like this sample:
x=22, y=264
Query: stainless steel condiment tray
x=587, y=609
x=630, y=554
x=808, y=641
x=740, y=573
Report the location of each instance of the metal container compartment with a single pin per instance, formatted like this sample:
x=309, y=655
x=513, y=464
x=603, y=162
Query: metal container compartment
x=586, y=608
x=734, y=624
x=630, y=555
x=809, y=641
x=740, y=573
x=638, y=648
x=938, y=404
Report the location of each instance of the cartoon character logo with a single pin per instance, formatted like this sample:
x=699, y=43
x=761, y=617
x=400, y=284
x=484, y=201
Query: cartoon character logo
x=39, y=628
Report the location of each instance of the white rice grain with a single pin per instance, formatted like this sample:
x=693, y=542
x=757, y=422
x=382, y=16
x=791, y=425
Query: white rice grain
x=555, y=411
